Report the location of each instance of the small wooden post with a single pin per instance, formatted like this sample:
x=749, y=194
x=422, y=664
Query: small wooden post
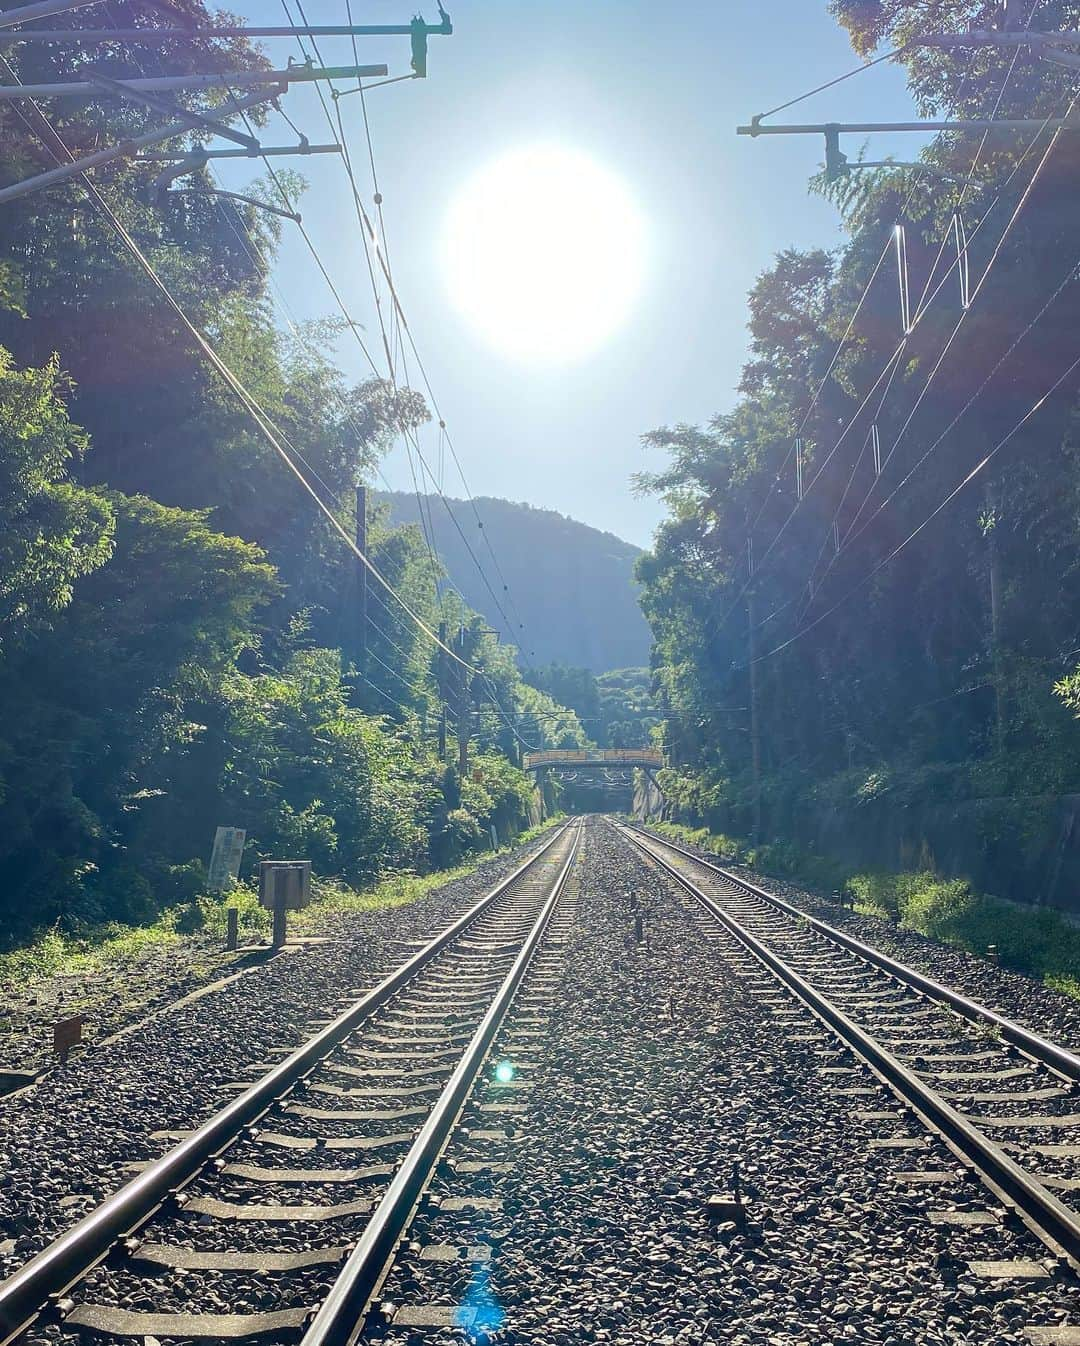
x=66, y=1033
x=737, y=1197
x=232, y=937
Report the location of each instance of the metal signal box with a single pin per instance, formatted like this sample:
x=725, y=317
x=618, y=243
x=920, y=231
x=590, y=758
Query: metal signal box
x=287, y=882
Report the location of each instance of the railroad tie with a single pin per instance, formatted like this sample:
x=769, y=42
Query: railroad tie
x=201, y=1326
x=272, y=1214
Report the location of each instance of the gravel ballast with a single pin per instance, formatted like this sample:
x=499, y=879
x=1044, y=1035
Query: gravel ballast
x=656, y=1066
x=66, y=1143
x=1041, y=1009
x=665, y=1066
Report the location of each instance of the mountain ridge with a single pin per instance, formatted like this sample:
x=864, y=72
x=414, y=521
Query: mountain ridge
x=572, y=585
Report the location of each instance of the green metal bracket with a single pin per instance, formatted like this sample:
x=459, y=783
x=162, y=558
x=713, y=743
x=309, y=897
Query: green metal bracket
x=836, y=162
x=418, y=32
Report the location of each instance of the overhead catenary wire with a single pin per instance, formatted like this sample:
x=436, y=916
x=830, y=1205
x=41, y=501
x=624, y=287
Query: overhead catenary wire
x=964, y=482
x=263, y=422
x=369, y=236
x=933, y=372
x=368, y=231
x=886, y=249
x=920, y=312
x=921, y=308
x=352, y=326
x=853, y=532
x=1069, y=279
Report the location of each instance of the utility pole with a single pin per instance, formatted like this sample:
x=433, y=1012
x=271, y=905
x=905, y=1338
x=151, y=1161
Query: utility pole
x=993, y=507
x=755, y=718
x=441, y=681
x=462, y=706
x=361, y=546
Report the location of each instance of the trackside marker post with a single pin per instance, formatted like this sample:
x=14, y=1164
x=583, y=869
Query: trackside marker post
x=284, y=886
x=67, y=1033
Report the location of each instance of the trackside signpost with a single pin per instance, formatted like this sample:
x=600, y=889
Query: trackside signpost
x=225, y=858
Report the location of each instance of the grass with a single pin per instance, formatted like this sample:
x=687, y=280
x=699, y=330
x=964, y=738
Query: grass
x=111, y=945
x=96, y=948
x=716, y=843
x=1037, y=941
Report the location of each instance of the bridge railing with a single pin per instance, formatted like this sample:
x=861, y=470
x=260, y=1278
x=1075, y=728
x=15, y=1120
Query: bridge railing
x=639, y=757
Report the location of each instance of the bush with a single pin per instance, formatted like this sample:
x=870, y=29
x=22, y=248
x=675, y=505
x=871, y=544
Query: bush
x=460, y=836
x=1033, y=940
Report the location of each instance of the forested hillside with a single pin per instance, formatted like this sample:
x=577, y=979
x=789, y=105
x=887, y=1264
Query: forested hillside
x=575, y=600
x=882, y=663
x=181, y=643
x=616, y=709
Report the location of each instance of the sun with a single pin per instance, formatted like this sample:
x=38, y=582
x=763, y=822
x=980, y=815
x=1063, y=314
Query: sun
x=545, y=253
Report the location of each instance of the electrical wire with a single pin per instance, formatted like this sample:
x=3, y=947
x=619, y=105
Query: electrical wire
x=436, y=573
x=368, y=231
x=858, y=70
x=851, y=536
x=263, y=422
x=848, y=536
x=975, y=471
x=718, y=624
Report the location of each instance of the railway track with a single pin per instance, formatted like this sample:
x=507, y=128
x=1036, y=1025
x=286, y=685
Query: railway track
x=1004, y=1100
x=310, y=1176
x=370, y=1184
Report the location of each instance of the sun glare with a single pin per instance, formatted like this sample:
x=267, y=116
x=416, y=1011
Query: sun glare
x=544, y=253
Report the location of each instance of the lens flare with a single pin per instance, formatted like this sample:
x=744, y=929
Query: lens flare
x=544, y=253
x=479, y=1313
x=505, y=1072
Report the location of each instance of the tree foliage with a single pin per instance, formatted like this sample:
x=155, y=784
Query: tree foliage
x=906, y=629
x=181, y=633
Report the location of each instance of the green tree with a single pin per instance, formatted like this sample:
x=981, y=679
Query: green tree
x=51, y=531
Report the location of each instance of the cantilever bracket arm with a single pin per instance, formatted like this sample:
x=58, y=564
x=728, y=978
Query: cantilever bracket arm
x=196, y=119
x=1056, y=56
x=198, y=156
x=836, y=162
x=163, y=192
x=932, y=169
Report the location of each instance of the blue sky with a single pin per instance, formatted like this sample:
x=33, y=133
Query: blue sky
x=652, y=91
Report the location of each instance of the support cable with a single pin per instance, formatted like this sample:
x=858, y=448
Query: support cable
x=261, y=419
x=337, y=126
x=866, y=579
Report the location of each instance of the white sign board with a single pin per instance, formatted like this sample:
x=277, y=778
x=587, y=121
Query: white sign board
x=225, y=860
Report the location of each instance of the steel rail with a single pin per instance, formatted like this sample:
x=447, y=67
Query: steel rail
x=1047, y=1053
x=46, y=1276
x=339, y=1319
x=1048, y=1218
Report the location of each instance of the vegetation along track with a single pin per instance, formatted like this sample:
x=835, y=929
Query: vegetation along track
x=378, y=1088
x=1004, y=1100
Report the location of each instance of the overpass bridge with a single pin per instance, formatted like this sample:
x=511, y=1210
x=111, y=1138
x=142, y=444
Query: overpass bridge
x=608, y=769
x=602, y=759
